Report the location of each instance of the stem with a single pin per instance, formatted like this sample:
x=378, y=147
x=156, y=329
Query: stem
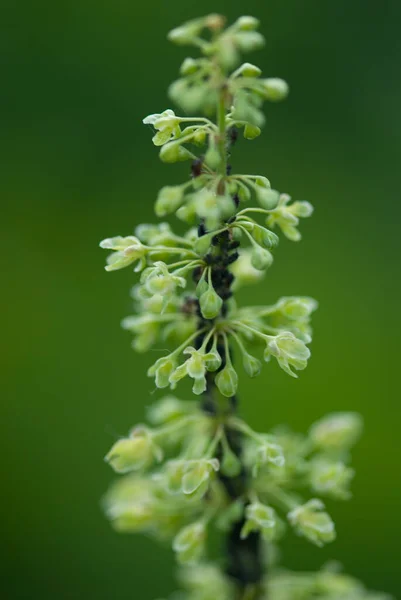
x=221, y=124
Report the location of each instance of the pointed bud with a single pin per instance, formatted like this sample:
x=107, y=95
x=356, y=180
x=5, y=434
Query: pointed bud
x=203, y=244
x=173, y=152
x=252, y=365
x=246, y=23
x=168, y=200
x=251, y=131
x=210, y=304
x=264, y=237
x=260, y=258
x=227, y=381
x=247, y=70
x=275, y=89
x=230, y=464
x=268, y=199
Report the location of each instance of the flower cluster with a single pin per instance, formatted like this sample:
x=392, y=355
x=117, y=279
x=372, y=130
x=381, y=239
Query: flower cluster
x=197, y=466
x=206, y=582
x=172, y=488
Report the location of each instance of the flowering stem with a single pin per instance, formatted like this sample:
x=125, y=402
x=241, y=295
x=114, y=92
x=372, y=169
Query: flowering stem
x=221, y=124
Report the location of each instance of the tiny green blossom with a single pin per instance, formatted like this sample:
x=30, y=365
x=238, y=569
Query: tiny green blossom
x=310, y=521
x=134, y=452
x=166, y=124
x=189, y=542
x=127, y=250
x=337, y=432
x=286, y=216
x=260, y=517
x=289, y=352
x=331, y=478
x=195, y=367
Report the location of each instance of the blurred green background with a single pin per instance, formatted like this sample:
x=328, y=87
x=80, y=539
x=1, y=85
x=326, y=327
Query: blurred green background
x=77, y=165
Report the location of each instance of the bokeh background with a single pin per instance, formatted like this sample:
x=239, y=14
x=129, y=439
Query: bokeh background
x=77, y=165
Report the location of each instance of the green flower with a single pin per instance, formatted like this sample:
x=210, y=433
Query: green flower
x=336, y=432
x=131, y=504
x=195, y=367
x=259, y=517
x=274, y=89
x=267, y=453
x=159, y=280
x=167, y=125
x=189, y=542
x=127, y=250
x=331, y=478
x=190, y=477
x=287, y=216
x=169, y=408
x=169, y=200
x=289, y=352
x=310, y=521
x=162, y=369
x=135, y=452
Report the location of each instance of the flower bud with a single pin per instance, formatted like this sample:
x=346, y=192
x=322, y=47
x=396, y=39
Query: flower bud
x=187, y=213
x=337, y=431
x=212, y=157
x=310, y=521
x=244, y=194
x=189, y=66
x=230, y=464
x=199, y=137
x=227, y=381
x=248, y=70
x=264, y=237
x=210, y=303
x=168, y=200
x=268, y=199
x=213, y=358
x=260, y=258
x=185, y=33
x=252, y=365
x=203, y=244
x=259, y=517
x=301, y=209
x=246, y=23
x=251, y=131
x=202, y=287
x=173, y=152
x=275, y=89
x=248, y=41
x=189, y=542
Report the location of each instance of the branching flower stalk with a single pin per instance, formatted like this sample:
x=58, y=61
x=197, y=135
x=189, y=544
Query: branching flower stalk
x=198, y=465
